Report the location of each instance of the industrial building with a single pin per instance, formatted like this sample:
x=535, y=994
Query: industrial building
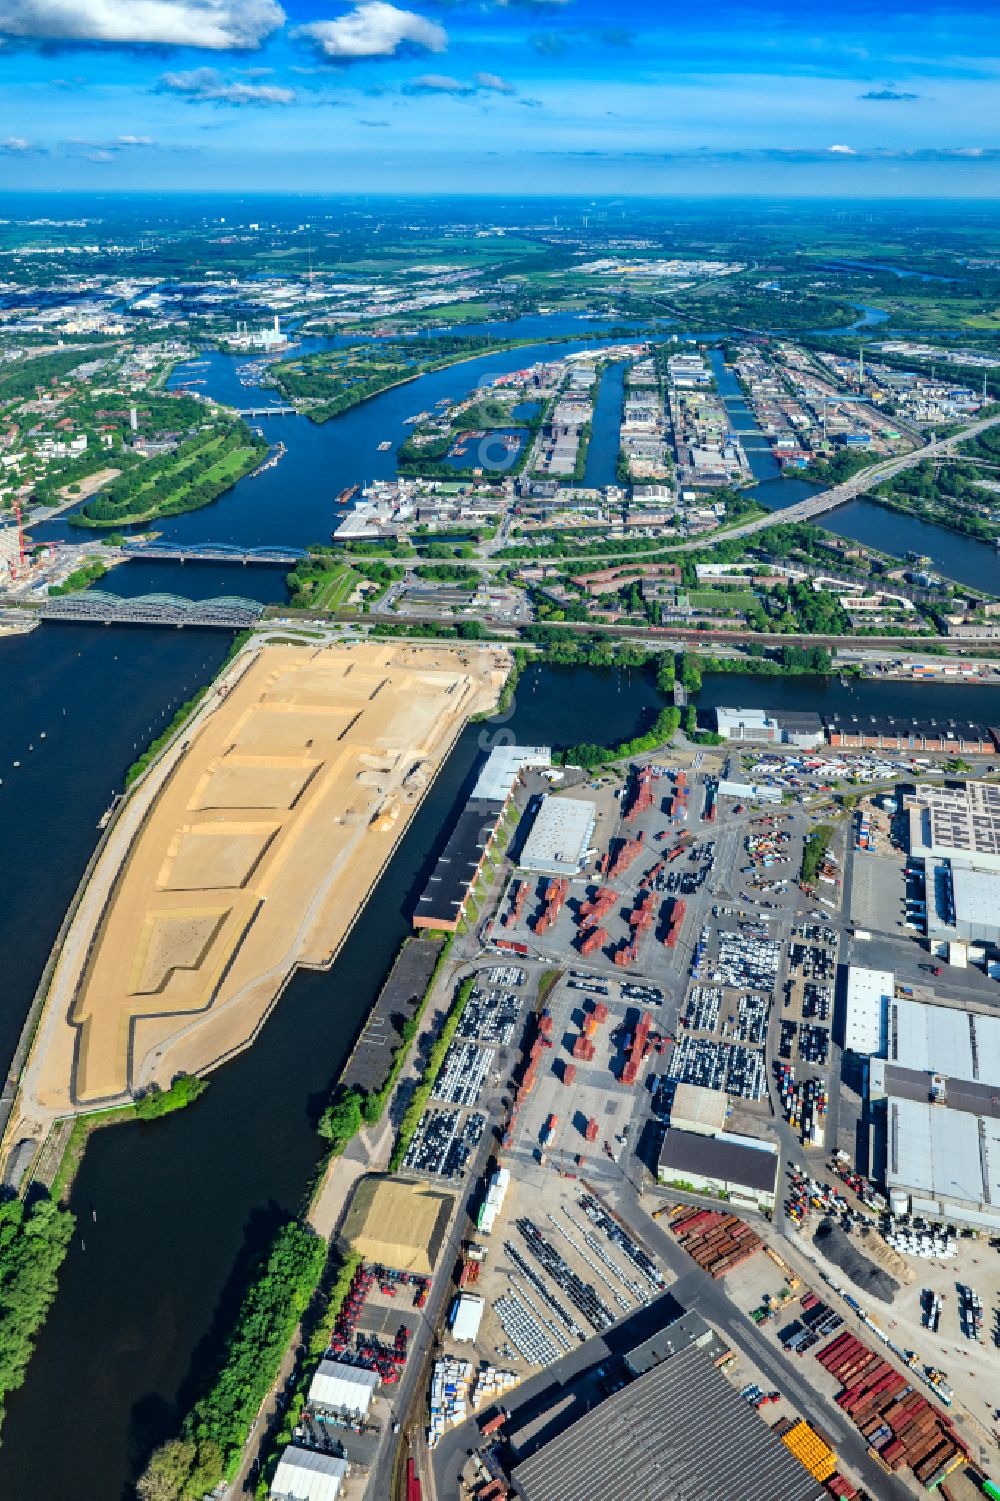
x=698, y=1109
x=742, y=1167
x=943, y=1163
x=398, y=1224
x=678, y=1432
x=560, y=837
x=958, y=823
x=304, y=1475
x=933, y=1098
x=770, y=727
x=466, y=1316
x=876, y=732
x=345, y=1389
x=868, y=994
x=442, y=903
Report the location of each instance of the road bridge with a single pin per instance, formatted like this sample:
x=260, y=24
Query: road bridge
x=211, y=552
x=838, y=495
x=96, y=606
x=270, y=411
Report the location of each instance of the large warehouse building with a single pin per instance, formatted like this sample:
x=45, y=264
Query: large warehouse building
x=770, y=727
x=678, y=1432
x=743, y=1168
x=560, y=837
x=398, y=1224
x=960, y=822
x=934, y=1094
x=443, y=900
x=869, y=992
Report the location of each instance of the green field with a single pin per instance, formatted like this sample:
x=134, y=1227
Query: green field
x=722, y=599
x=334, y=588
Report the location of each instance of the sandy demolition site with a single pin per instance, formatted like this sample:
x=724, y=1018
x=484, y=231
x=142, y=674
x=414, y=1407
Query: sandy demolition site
x=248, y=850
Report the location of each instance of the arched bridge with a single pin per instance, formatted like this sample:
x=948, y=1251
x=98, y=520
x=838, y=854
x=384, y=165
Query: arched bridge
x=210, y=552
x=95, y=606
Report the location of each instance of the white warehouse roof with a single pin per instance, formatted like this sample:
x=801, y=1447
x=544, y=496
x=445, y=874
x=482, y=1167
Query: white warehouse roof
x=977, y=896
x=345, y=1388
x=944, y=1040
x=559, y=837
x=466, y=1315
x=505, y=764
x=868, y=994
x=937, y=1151
x=303, y=1475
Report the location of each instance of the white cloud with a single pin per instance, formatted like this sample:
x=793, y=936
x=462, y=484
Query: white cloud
x=15, y=145
x=208, y=84
x=218, y=25
x=438, y=83
x=374, y=28
x=493, y=83
x=842, y=151
x=134, y=141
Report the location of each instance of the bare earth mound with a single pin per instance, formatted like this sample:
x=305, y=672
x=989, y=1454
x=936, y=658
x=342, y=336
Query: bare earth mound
x=249, y=849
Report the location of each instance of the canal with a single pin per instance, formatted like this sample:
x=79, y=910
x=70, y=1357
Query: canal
x=601, y=467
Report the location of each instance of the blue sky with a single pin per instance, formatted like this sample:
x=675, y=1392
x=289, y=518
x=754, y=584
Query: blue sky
x=533, y=96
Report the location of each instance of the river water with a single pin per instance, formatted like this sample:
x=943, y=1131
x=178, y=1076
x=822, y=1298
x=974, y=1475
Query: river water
x=170, y=1212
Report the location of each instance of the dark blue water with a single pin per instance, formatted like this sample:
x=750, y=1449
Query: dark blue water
x=827, y=695
x=88, y=699
x=199, y=580
x=605, y=436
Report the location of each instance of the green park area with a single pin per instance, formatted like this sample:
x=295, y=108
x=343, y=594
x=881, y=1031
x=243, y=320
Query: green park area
x=193, y=475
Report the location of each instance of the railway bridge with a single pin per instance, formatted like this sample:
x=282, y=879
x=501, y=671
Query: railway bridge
x=211, y=552
x=97, y=607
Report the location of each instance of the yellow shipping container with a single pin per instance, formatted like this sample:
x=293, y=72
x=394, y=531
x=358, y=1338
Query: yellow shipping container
x=810, y=1450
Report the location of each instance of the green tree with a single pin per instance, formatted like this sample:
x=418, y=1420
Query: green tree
x=168, y=1473
x=341, y=1120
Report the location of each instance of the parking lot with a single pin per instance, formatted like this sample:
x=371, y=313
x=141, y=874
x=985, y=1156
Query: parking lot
x=464, y=1094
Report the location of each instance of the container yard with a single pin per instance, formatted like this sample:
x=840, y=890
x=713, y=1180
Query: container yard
x=718, y=1242
x=899, y=1423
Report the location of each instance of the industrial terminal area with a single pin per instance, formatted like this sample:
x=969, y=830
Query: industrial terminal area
x=712, y=1136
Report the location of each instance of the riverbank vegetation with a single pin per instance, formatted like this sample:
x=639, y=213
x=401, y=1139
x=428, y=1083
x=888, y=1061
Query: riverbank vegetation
x=212, y=1435
x=335, y=380
x=324, y=580
x=955, y=495
x=150, y=1105
x=350, y=1107
x=80, y=578
x=34, y=1239
x=662, y=731
x=197, y=472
